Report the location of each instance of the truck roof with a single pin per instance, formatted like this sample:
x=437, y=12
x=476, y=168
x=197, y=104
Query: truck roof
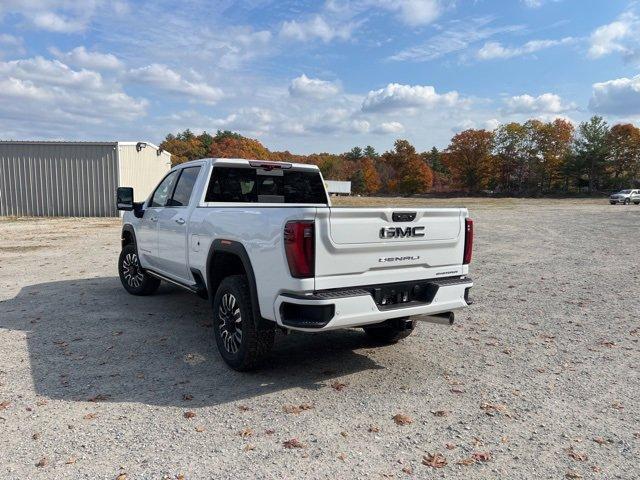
x=255, y=163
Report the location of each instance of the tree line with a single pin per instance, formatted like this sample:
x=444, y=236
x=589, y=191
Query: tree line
x=530, y=158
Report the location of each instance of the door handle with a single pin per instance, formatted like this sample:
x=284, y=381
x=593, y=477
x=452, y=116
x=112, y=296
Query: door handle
x=180, y=221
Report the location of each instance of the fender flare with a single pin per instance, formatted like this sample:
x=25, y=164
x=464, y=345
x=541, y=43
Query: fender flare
x=129, y=229
x=237, y=249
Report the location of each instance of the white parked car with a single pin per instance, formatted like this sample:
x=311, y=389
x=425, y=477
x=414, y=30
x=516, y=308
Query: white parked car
x=625, y=197
x=263, y=243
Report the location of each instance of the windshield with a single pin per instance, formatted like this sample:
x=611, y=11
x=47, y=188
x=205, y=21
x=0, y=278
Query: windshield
x=625, y=191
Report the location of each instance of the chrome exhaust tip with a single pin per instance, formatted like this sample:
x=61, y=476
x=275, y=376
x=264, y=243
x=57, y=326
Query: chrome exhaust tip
x=439, y=318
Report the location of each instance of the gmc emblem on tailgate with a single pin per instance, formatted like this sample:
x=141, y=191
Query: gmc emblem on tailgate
x=400, y=232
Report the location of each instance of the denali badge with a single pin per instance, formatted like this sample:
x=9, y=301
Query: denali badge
x=398, y=259
x=399, y=232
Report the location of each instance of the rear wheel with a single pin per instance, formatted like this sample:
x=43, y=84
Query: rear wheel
x=133, y=277
x=243, y=338
x=391, y=331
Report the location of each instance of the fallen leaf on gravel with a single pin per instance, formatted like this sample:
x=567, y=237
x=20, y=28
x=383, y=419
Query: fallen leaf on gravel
x=402, y=419
x=457, y=390
x=579, y=456
x=608, y=344
x=180, y=476
x=374, y=429
x=297, y=408
x=600, y=440
x=36, y=436
x=122, y=476
x=342, y=456
x=245, y=432
x=189, y=414
x=440, y=413
x=199, y=429
x=43, y=462
x=344, y=434
x=481, y=456
x=186, y=397
x=408, y=470
x=101, y=397
x=466, y=461
x=41, y=402
x=434, y=460
x=596, y=468
x=90, y=416
x=4, y=405
x=449, y=446
x=71, y=461
x=573, y=475
x=636, y=434
x=249, y=447
x=617, y=405
x=269, y=431
x=243, y=408
x=338, y=386
x=491, y=409
x=293, y=443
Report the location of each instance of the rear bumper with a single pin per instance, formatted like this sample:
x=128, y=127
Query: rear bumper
x=331, y=310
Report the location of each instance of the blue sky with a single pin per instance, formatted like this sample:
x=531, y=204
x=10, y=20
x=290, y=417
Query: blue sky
x=312, y=76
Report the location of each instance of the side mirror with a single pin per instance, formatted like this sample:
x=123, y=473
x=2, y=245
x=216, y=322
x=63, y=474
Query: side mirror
x=124, y=198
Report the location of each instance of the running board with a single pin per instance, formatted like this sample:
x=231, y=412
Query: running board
x=192, y=288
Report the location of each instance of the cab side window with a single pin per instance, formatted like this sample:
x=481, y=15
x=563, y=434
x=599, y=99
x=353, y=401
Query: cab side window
x=164, y=190
x=184, y=187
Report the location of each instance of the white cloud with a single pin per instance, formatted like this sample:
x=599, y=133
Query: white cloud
x=14, y=45
x=399, y=97
x=410, y=12
x=48, y=97
x=315, y=28
x=62, y=16
x=617, y=97
x=306, y=87
x=493, y=50
x=389, y=127
x=164, y=78
x=413, y=12
x=55, y=22
x=456, y=37
x=80, y=57
x=621, y=36
x=51, y=72
x=542, y=104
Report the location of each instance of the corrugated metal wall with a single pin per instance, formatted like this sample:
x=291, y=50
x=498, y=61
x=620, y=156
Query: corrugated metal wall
x=58, y=179
x=142, y=170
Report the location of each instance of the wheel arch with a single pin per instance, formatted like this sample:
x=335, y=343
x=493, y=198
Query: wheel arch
x=128, y=236
x=227, y=258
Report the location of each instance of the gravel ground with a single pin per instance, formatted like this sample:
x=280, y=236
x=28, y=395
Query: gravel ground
x=538, y=379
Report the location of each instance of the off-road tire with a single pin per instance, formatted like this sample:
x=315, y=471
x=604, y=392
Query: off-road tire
x=133, y=277
x=232, y=302
x=387, y=333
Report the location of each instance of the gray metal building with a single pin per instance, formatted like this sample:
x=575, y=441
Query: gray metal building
x=75, y=179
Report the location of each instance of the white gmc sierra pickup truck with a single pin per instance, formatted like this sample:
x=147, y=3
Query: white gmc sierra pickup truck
x=263, y=243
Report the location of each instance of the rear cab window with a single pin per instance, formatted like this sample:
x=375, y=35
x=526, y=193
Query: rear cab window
x=253, y=185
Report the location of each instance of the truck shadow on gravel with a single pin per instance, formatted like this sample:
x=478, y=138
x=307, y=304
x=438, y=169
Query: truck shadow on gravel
x=89, y=340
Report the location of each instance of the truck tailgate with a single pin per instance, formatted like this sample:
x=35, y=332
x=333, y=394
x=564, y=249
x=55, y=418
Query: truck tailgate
x=367, y=246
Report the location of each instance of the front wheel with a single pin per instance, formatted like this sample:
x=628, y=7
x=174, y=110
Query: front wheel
x=391, y=331
x=627, y=201
x=133, y=277
x=243, y=338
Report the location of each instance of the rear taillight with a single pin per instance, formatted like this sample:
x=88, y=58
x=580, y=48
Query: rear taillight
x=468, y=241
x=299, y=244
